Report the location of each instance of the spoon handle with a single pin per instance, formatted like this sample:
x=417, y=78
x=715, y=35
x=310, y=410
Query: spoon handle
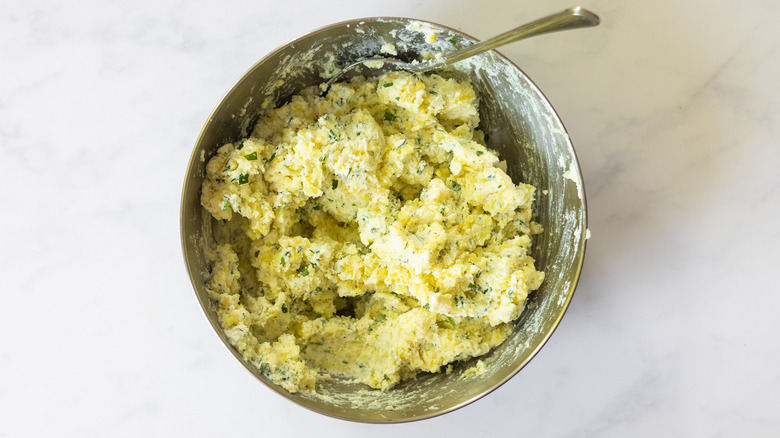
x=573, y=18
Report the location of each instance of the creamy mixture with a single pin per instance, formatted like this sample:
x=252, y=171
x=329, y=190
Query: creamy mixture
x=368, y=234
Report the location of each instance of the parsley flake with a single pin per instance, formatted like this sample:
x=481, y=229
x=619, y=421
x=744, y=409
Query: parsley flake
x=243, y=178
x=389, y=116
x=334, y=184
x=252, y=156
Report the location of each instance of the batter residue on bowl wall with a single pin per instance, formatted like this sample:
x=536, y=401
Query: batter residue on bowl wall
x=368, y=233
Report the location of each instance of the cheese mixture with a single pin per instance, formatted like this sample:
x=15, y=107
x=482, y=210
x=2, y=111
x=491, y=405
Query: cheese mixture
x=368, y=234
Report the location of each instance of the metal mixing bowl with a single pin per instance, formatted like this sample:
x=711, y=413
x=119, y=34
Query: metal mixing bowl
x=522, y=126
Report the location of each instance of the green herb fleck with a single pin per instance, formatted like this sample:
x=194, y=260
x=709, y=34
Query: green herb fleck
x=284, y=308
x=441, y=211
x=479, y=153
x=472, y=286
x=433, y=93
x=317, y=207
x=304, y=271
x=427, y=306
x=389, y=116
x=452, y=41
x=398, y=98
x=334, y=184
x=389, y=84
x=344, y=362
x=252, y=156
x=240, y=145
x=225, y=205
x=450, y=320
x=282, y=262
x=454, y=185
x=333, y=135
x=243, y=178
x=257, y=253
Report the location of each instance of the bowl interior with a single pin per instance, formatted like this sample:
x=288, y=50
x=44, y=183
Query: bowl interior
x=521, y=125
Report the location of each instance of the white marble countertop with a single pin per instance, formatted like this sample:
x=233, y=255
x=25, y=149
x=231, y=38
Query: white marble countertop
x=674, y=110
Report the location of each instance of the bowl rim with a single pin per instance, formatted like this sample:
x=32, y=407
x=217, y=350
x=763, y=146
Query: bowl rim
x=579, y=260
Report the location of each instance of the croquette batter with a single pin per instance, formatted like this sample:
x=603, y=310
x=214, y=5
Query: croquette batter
x=368, y=233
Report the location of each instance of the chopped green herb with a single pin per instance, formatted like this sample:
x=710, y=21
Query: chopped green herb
x=252, y=156
x=441, y=211
x=427, y=306
x=243, y=178
x=284, y=308
x=344, y=362
x=389, y=116
x=454, y=185
x=472, y=286
x=398, y=98
x=389, y=84
x=257, y=253
x=318, y=289
x=479, y=153
x=240, y=145
x=450, y=320
x=272, y=157
x=334, y=184
x=282, y=262
x=452, y=41
x=225, y=205
x=317, y=207
x=304, y=271
x=333, y=135
x=433, y=93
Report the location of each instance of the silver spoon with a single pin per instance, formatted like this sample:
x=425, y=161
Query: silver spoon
x=573, y=18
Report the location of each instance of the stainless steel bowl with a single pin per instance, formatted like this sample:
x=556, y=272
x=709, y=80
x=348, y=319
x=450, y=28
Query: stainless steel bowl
x=522, y=126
